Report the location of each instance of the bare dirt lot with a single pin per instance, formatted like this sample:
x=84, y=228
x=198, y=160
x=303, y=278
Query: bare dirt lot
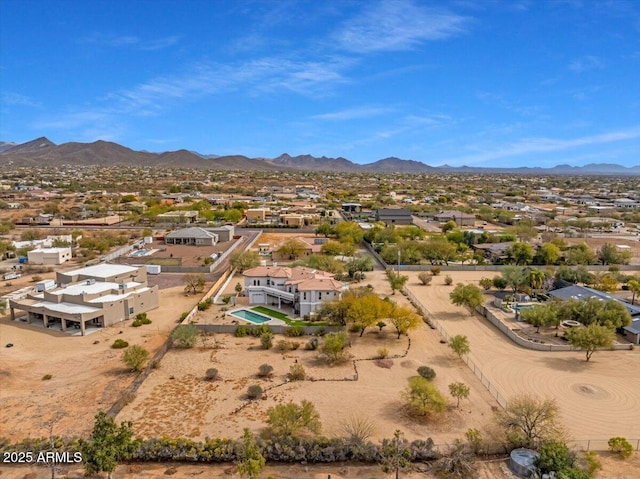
x=86, y=377
x=597, y=399
x=176, y=390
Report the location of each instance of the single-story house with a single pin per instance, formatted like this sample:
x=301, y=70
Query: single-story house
x=193, y=236
x=394, y=216
x=458, y=217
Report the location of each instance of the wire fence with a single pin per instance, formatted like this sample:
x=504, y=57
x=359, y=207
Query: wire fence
x=477, y=371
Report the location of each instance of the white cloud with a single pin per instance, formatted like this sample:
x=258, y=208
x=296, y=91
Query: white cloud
x=545, y=145
x=586, y=63
x=13, y=98
x=398, y=25
x=123, y=41
x=352, y=113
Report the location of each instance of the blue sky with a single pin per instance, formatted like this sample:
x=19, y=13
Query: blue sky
x=468, y=82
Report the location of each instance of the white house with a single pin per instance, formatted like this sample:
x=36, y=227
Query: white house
x=49, y=255
x=96, y=296
x=304, y=289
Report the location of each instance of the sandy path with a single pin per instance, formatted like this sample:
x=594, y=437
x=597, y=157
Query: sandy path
x=598, y=400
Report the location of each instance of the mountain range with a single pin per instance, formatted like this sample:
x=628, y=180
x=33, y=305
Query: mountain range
x=43, y=151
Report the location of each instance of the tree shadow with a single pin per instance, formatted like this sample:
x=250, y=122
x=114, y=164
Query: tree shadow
x=444, y=361
x=574, y=365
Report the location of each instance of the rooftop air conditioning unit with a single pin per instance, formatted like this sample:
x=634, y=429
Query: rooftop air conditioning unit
x=91, y=281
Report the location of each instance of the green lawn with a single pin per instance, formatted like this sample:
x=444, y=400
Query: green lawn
x=285, y=318
x=270, y=312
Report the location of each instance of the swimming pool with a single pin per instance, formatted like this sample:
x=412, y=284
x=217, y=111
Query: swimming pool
x=250, y=316
x=141, y=252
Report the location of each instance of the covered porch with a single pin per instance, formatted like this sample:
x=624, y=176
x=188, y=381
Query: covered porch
x=65, y=317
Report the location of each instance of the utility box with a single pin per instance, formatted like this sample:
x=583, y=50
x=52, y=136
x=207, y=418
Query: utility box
x=153, y=268
x=45, y=285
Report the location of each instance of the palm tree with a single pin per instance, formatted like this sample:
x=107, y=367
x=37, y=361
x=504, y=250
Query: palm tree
x=536, y=279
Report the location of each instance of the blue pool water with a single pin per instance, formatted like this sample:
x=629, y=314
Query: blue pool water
x=251, y=316
x=140, y=252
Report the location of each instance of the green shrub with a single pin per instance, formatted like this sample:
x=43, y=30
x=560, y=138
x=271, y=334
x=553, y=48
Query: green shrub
x=296, y=373
x=266, y=340
x=448, y=280
x=211, y=374
x=46, y=377
x=137, y=323
x=382, y=353
x=427, y=373
x=141, y=317
x=146, y=321
x=184, y=315
x=119, y=344
x=295, y=331
x=265, y=370
x=435, y=270
x=254, y=392
x=185, y=336
x=241, y=331
x=355, y=328
x=620, y=446
x=312, y=344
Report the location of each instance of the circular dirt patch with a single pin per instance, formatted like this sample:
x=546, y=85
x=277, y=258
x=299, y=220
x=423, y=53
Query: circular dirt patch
x=589, y=390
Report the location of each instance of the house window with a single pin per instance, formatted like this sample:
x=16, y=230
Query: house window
x=130, y=310
x=304, y=295
x=319, y=294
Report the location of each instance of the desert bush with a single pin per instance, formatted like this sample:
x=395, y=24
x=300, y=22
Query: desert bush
x=185, y=336
x=135, y=357
x=382, y=353
x=355, y=328
x=184, y=315
x=620, y=446
x=286, y=345
x=36, y=278
x=211, y=374
x=254, y=392
x=427, y=373
x=266, y=340
x=448, y=280
x=286, y=420
x=425, y=278
x=241, y=331
x=136, y=323
x=435, y=270
x=296, y=373
x=119, y=344
x=46, y=377
x=334, y=346
x=384, y=363
x=258, y=331
x=458, y=461
x=358, y=429
x=423, y=397
x=486, y=283
x=146, y=321
x=265, y=370
x=141, y=317
x=294, y=331
x=311, y=345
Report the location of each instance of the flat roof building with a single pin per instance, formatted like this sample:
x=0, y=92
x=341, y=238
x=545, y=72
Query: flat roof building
x=97, y=296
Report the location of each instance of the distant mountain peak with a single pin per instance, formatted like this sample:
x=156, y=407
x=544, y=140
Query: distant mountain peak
x=106, y=153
